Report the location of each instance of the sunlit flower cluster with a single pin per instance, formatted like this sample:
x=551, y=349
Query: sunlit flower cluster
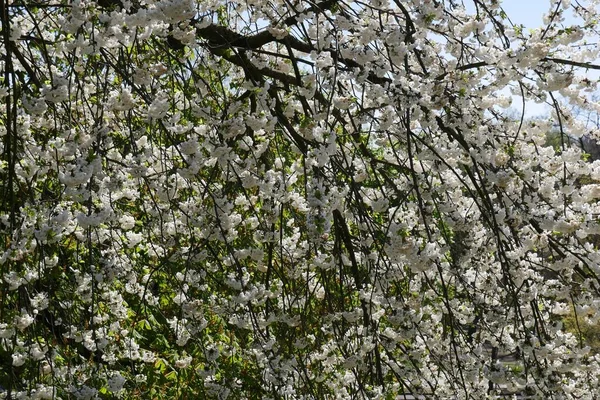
x=233, y=200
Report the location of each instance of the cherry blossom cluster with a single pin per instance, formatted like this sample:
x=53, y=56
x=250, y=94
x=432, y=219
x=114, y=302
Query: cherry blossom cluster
x=297, y=199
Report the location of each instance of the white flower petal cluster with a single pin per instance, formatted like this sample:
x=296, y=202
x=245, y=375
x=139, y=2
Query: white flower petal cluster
x=312, y=200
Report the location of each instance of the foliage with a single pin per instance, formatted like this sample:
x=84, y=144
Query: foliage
x=290, y=199
x=587, y=331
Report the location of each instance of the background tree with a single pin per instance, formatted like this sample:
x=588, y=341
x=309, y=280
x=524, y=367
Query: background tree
x=294, y=199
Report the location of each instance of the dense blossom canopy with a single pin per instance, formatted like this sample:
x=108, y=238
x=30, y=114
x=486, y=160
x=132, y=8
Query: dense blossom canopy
x=297, y=199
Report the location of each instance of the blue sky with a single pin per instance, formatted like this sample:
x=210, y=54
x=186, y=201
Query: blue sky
x=530, y=14
x=526, y=12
